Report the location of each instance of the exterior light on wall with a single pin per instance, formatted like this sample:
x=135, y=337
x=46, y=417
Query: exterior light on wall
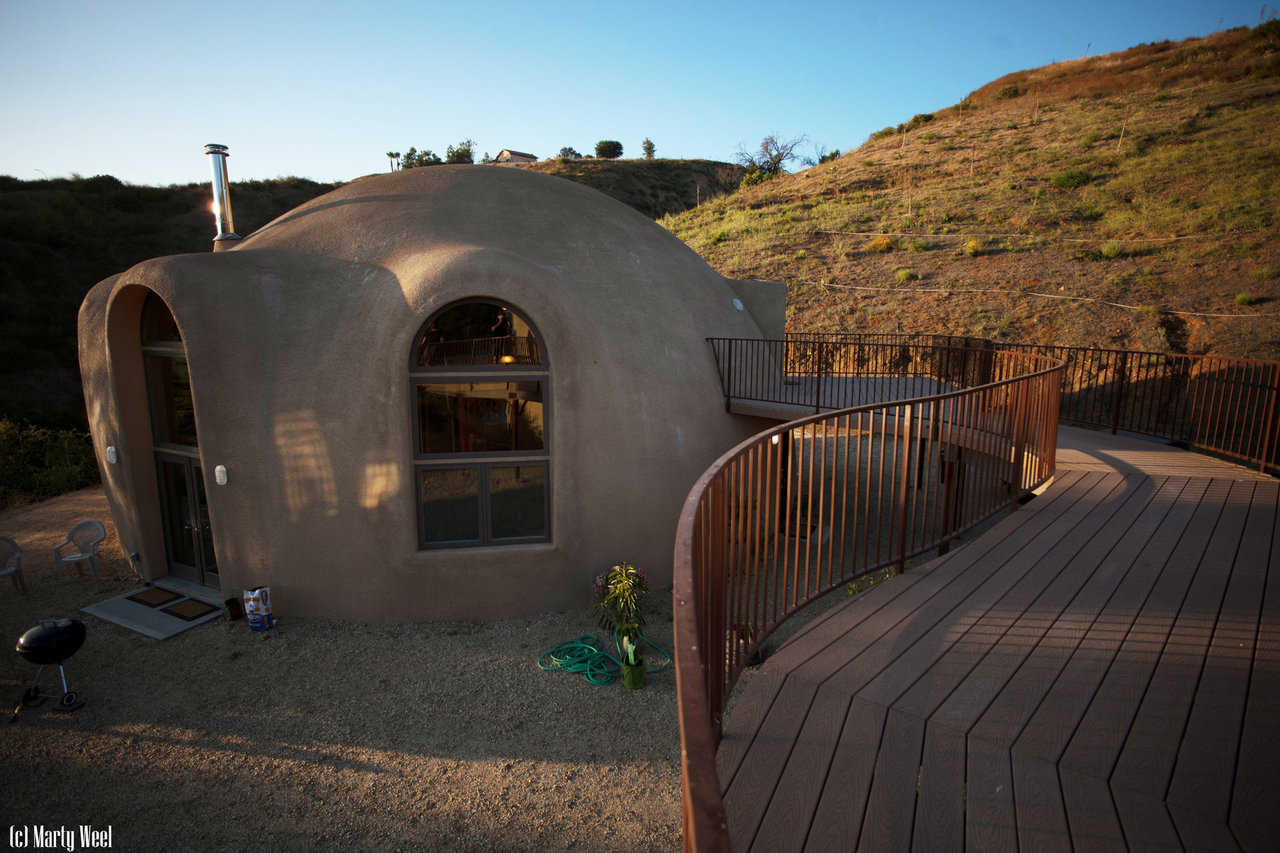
x=508, y=359
x=220, y=474
x=112, y=455
x=775, y=439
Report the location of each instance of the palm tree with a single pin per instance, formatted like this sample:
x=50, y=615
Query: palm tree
x=394, y=157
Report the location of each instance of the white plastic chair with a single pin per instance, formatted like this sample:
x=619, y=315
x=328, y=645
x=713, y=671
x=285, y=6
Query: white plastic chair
x=81, y=546
x=11, y=563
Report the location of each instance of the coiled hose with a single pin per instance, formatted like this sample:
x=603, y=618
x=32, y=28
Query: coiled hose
x=586, y=655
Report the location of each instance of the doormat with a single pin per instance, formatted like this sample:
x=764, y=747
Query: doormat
x=155, y=621
x=154, y=597
x=190, y=609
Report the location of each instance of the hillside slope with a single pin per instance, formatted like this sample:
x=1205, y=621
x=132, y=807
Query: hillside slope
x=60, y=237
x=653, y=187
x=1147, y=178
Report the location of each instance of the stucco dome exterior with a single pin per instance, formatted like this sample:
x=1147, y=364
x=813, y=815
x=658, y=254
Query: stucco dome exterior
x=298, y=342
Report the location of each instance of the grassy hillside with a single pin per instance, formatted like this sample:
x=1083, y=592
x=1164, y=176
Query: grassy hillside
x=653, y=187
x=1147, y=178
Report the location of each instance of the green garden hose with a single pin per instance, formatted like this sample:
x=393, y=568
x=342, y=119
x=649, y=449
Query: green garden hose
x=587, y=656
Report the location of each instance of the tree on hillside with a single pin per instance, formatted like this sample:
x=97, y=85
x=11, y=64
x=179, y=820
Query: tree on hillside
x=394, y=157
x=820, y=155
x=647, y=148
x=772, y=156
x=486, y=158
x=460, y=153
x=567, y=153
x=608, y=149
x=413, y=158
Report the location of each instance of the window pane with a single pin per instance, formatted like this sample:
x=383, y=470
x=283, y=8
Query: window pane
x=477, y=333
x=450, y=501
x=479, y=417
x=173, y=417
x=518, y=500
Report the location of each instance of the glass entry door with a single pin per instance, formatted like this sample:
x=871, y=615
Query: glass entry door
x=187, y=535
x=188, y=540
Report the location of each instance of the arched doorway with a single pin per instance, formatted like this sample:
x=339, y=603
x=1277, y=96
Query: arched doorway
x=184, y=508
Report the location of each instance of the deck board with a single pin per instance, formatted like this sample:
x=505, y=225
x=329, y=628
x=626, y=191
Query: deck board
x=939, y=813
x=1146, y=763
x=889, y=817
x=1100, y=670
x=1255, y=801
x=1206, y=761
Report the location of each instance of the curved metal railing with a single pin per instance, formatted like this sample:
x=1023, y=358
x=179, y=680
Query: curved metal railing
x=1215, y=404
x=800, y=509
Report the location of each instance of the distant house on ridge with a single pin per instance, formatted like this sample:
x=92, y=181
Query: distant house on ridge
x=506, y=155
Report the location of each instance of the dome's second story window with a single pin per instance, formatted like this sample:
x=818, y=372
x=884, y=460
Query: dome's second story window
x=480, y=419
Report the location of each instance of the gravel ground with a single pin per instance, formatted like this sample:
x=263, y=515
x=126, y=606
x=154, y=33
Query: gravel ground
x=327, y=734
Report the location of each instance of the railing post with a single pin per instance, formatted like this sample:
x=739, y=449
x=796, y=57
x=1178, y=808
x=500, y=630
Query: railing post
x=1022, y=424
x=714, y=614
x=728, y=378
x=817, y=386
x=904, y=481
x=1122, y=376
x=1271, y=419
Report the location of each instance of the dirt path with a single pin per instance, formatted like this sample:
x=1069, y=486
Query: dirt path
x=328, y=734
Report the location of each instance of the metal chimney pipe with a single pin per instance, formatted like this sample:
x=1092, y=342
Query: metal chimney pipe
x=226, y=235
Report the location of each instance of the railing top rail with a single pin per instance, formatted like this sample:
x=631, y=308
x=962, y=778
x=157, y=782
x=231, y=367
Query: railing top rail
x=1010, y=346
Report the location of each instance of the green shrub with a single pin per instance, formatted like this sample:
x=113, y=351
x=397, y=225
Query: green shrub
x=1071, y=178
x=918, y=246
x=608, y=149
x=1112, y=249
x=719, y=237
x=752, y=177
x=904, y=274
x=1011, y=91
x=916, y=121
x=881, y=134
x=38, y=463
x=973, y=248
x=881, y=243
x=1244, y=298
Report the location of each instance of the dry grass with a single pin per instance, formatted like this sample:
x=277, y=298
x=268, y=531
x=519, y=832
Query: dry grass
x=1164, y=151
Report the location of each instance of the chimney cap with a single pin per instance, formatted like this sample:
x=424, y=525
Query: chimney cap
x=215, y=148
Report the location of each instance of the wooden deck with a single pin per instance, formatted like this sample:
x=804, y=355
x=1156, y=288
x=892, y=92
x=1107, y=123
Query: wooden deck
x=1098, y=671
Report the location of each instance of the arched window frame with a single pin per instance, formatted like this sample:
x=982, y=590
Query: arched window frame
x=482, y=464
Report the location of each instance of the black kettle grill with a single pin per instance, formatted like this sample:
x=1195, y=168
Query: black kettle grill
x=51, y=642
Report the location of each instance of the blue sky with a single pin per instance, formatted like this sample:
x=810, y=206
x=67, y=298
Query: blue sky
x=321, y=89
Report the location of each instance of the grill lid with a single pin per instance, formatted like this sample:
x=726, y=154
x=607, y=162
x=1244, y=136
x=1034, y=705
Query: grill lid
x=52, y=641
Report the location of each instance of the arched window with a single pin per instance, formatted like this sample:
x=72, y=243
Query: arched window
x=481, y=464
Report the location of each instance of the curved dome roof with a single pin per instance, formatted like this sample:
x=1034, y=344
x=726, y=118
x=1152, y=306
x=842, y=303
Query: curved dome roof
x=548, y=220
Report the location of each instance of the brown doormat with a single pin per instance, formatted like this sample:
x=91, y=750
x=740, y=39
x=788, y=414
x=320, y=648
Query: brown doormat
x=189, y=609
x=154, y=597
